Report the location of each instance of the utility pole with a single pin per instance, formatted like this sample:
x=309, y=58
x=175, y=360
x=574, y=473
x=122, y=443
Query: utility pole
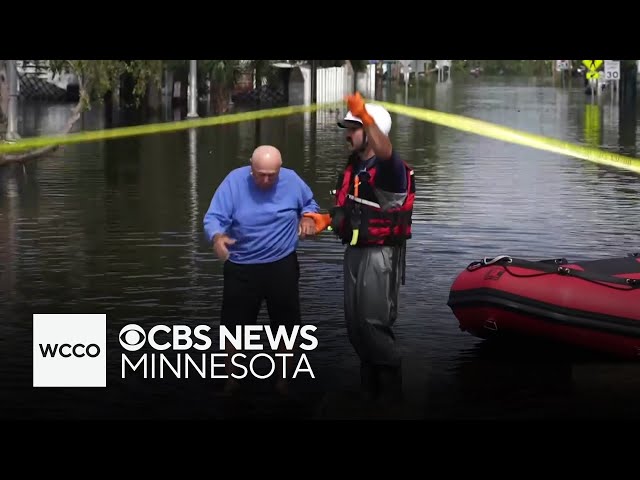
x=193, y=90
x=379, y=70
x=314, y=82
x=12, y=114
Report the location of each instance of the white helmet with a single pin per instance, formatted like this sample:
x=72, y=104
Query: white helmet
x=377, y=112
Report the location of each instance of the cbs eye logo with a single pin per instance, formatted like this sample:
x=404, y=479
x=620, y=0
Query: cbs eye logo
x=132, y=337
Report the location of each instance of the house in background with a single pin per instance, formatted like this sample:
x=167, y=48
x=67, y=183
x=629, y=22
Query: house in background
x=36, y=81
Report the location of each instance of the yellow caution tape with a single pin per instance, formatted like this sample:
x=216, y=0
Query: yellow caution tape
x=510, y=135
x=153, y=128
x=457, y=122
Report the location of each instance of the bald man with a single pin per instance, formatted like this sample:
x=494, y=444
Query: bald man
x=253, y=224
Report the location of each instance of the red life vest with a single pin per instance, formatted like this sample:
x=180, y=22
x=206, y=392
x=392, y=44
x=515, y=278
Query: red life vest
x=361, y=211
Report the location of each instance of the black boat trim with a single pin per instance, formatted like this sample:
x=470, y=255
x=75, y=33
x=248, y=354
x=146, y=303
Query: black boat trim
x=602, y=272
x=545, y=311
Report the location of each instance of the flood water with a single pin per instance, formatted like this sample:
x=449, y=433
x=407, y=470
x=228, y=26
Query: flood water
x=116, y=227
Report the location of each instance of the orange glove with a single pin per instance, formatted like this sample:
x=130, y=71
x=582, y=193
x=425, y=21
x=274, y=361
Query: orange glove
x=322, y=220
x=355, y=104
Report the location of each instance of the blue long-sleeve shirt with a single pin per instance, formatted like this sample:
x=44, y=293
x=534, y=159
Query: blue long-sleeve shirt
x=264, y=223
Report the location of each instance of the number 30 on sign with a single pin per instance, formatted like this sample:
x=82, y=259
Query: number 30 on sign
x=612, y=69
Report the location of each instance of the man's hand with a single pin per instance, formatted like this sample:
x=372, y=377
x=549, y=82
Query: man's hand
x=355, y=104
x=321, y=221
x=220, y=244
x=376, y=139
x=307, y=227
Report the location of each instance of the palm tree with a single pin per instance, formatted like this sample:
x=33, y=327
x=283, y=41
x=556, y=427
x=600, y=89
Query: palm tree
x=222, y=78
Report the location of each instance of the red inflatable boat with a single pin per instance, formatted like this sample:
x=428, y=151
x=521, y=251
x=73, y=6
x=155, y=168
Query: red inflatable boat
x=593, y=304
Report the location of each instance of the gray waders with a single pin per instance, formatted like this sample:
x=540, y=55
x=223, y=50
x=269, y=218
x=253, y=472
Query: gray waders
x=372, y=278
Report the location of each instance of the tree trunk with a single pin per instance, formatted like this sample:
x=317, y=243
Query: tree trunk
x=4, y=92
x=379, y=83
x=219, y=98
x=40, y=152
x=154, y=97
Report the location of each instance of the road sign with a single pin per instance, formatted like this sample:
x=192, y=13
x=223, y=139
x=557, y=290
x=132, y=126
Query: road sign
x=562, y=65
x=612, y=69
x=592, y=65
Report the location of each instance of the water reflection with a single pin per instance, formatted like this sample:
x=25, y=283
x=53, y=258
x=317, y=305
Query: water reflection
x=592, y=125
x=628, y=129
x=195, y=219
x=9, y=232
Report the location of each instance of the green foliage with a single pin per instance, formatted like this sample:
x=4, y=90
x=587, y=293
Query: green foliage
x=265, y=69
x=177, y=65
x=221, y=72
x=145, y=72
x=359, y=65
x=97, y=77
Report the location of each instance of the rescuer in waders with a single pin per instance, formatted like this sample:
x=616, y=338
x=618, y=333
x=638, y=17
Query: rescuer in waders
x=372, y=216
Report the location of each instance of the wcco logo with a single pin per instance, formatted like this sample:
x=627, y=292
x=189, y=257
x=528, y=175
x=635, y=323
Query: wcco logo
x=69, y=350
x=66, y=350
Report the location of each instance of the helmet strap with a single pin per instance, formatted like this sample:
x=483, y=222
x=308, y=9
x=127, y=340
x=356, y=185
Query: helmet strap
x=365, y=142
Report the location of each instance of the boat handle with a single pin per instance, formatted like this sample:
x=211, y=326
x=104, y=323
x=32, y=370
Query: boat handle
x=490, y=325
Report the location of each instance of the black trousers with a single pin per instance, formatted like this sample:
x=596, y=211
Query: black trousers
x=246, y=286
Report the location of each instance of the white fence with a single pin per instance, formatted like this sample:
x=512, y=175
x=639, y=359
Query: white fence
x=332, y=84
